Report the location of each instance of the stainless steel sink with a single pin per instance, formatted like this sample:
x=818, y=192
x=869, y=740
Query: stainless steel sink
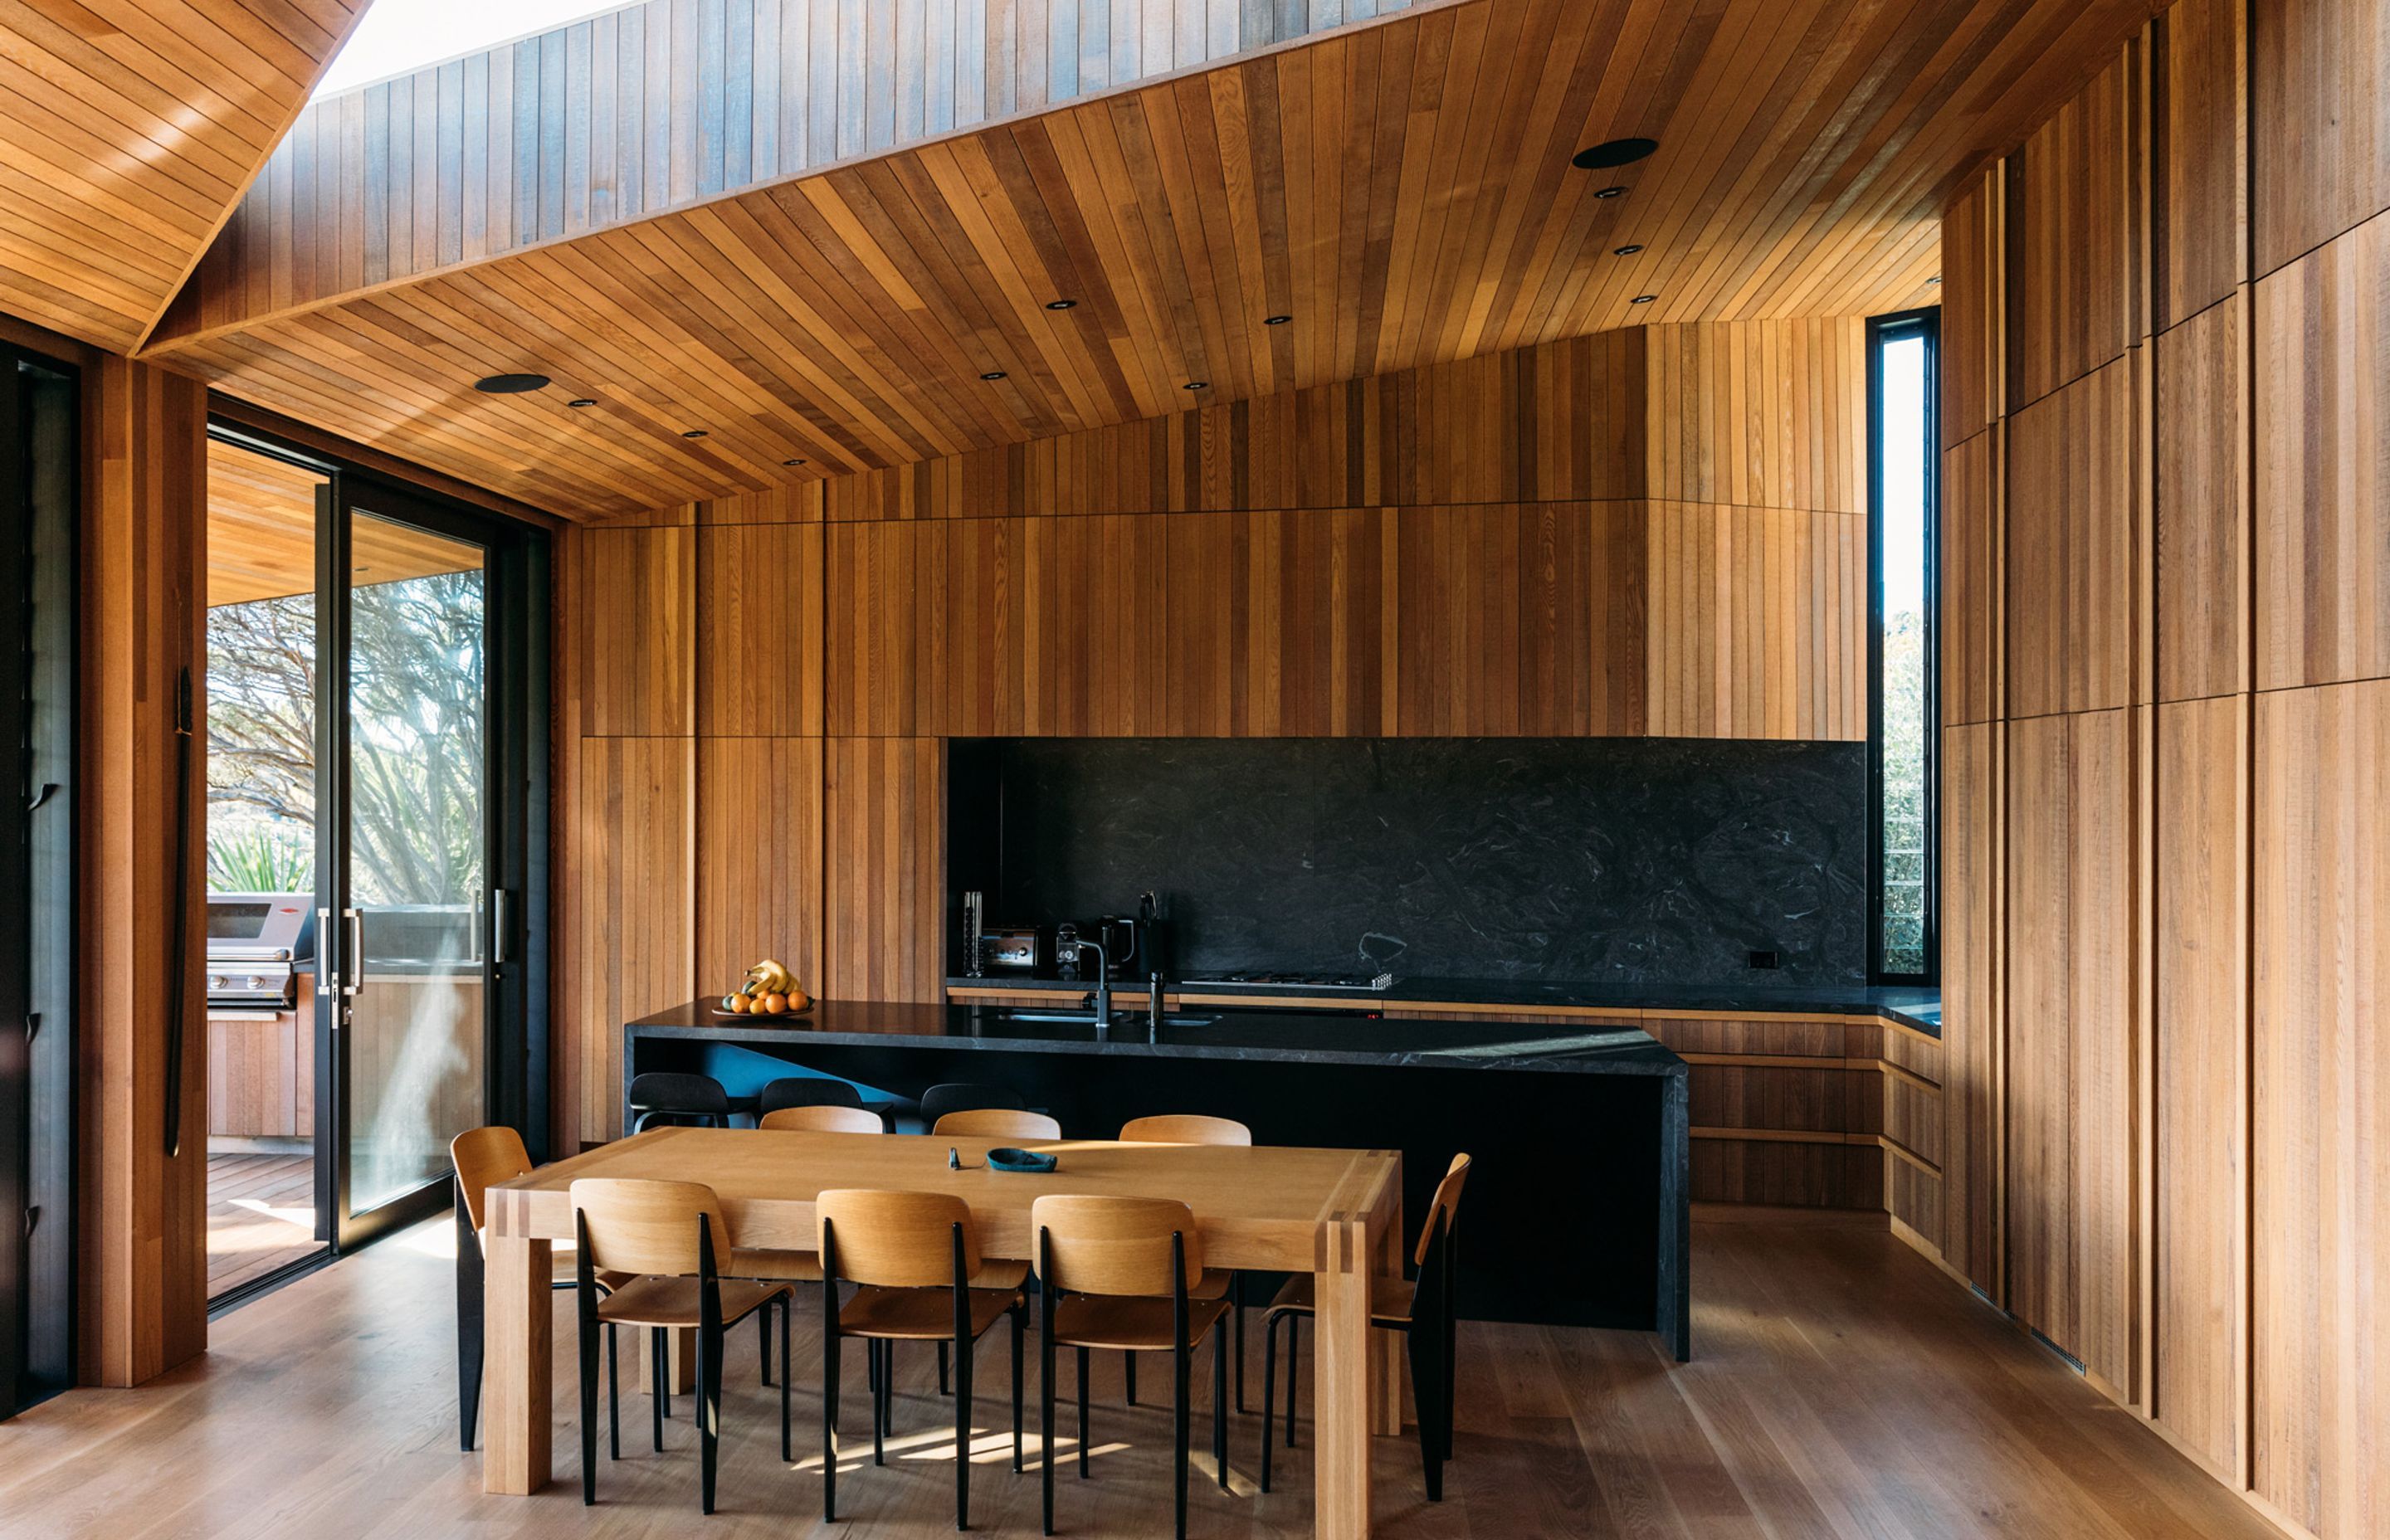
x=1122, y=1019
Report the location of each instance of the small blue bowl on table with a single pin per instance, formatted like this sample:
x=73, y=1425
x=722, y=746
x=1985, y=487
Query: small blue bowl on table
x=1028, y=1162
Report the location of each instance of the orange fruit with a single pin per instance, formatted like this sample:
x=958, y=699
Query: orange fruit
x=776, y=1004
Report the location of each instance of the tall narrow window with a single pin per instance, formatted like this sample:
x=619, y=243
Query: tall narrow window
x=1901, y=392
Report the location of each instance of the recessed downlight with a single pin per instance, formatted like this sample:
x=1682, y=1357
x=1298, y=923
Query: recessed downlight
x=800, y=460
x=693, y=433
x=582, y=400
x=1609, y=192
x=1643, y=298
x=1613, y=153
x=1624, y=251
x=1935, y=278
x=1199, y=385
x=511, y=384
x=1275, y=320
x=1061, y=304
x=993, y=374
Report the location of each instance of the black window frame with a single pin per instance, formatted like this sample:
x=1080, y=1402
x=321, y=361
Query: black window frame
x=1881, y=330
x=40, y=475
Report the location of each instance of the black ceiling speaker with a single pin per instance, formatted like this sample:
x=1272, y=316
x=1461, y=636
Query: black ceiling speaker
x=1613, y=153
x=511, y=384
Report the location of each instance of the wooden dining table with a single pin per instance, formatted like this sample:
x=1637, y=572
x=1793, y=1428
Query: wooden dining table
x=1336, y=1213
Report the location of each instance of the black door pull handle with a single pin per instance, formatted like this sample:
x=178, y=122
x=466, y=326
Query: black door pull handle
x=49, y=788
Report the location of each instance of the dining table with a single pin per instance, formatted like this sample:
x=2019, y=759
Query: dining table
x=1334, y=1214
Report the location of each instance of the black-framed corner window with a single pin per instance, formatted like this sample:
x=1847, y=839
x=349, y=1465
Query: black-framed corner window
x=1903, y=497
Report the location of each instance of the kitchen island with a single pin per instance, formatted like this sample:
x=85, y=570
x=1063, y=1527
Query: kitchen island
x=1578, y=1213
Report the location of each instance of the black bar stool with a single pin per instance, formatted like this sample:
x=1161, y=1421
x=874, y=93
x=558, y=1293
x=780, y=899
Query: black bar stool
x=672, y=1097
x=962, y=1095
x=818, y=1091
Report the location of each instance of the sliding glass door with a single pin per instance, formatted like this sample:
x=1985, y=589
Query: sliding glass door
x=423, y=836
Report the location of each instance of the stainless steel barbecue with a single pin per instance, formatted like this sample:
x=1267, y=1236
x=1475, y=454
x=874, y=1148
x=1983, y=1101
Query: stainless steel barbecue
x=257, y=946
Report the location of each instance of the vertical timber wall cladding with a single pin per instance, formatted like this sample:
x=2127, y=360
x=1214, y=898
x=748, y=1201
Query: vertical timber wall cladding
x=143, y=1288
x=1656, y=531
x=2166, y=695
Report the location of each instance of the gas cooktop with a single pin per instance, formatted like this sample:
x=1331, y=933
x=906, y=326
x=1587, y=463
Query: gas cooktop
x=1294, y=980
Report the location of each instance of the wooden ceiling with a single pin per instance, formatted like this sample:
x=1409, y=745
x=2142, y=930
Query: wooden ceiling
x=129, y=130
x=665, y=104
x=1401, y=189
x=261, y=533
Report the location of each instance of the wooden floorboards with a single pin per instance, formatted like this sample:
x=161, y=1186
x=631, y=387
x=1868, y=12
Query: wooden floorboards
x=1842, y=1387
x=255, y=1202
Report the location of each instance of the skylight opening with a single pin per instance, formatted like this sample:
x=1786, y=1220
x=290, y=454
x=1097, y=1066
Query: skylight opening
x=398, y=37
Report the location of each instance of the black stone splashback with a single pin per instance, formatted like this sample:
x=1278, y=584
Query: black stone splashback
x=1592, y=860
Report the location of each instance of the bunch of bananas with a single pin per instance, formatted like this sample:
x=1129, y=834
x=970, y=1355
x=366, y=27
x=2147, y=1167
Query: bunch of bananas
x=770, y=990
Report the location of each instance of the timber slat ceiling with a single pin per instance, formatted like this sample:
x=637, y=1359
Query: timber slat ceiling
x=128, y=131
x=1402, y=190
x=649, y=108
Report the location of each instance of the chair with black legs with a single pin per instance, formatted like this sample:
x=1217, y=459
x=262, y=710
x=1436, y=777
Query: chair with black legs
x=822, y=1120
x=1119, y=1273
x=1421, y=1307
x=915, y=1259
x=483, y=1157
x=990, y=1123
x=1196, y=1129
x=672, y=1237
x=668, y=1096
x=997, y=1122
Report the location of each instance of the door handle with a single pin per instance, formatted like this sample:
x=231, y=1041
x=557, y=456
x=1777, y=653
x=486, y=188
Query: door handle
x=501, y=928
x=352, y=952
x=49, y=789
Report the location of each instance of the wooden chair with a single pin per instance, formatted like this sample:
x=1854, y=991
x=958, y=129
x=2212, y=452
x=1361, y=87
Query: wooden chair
x=482, y=1158
x=823, y=1118
x=1421, y=1307
x=1195, y=1128
x=997, y=1123
x=1121, y=1273
x=915, y=1259
x=670, y=1236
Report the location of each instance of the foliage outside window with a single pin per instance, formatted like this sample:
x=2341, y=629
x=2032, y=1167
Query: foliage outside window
x=1902, y=375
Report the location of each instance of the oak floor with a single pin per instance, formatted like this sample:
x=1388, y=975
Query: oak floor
x=260, y=1215
x=1842, y=1387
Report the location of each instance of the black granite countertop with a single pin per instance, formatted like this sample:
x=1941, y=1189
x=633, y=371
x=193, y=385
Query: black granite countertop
x=1920, y=1009
x=1253, y=1037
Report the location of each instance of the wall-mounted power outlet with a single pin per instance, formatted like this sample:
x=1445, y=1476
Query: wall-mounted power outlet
x=1765, y=959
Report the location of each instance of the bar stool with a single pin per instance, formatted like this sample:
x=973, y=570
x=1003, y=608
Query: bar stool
x=483, y=1157
x=1196, y=1129
x=672, y=1097
x=997, y=1123
x=665, y=1234
x=962, y=1095
x=915, y=1258
x=806, y=1091
x=1421, y=1307
x=1118, y=1272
